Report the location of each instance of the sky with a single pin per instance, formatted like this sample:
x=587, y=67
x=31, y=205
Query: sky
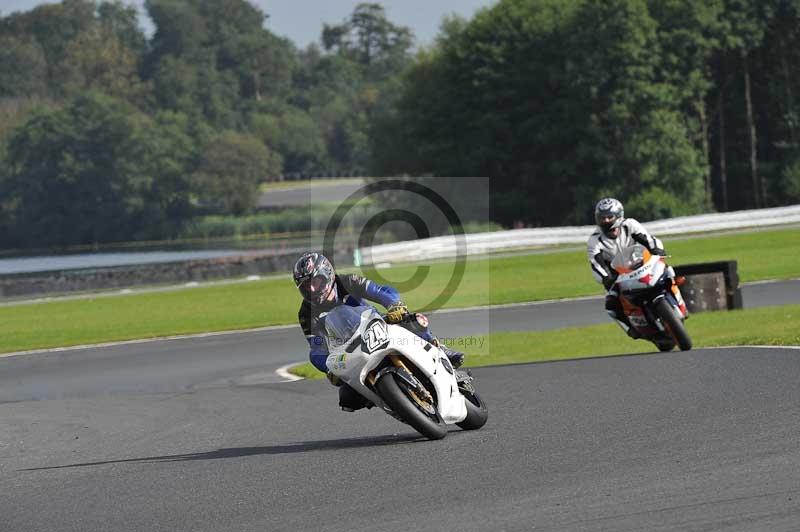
x=301, y=20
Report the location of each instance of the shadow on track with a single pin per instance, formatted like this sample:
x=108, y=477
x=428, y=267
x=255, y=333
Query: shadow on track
x=237, y=452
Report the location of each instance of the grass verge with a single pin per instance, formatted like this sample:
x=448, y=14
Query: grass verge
x=761, y=255
x=763, y=326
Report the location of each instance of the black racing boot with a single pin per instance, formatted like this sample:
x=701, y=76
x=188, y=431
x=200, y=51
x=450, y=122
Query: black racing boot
x=634, y=334
x=631, y=331
x=350, y=400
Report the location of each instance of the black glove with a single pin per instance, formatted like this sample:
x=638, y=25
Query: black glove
x=658, y=251
x=333, y=379
x=396, y=313
x=608, y=281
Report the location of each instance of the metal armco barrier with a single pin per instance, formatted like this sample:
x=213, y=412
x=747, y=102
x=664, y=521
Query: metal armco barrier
x=711, y=286
x=447, y=247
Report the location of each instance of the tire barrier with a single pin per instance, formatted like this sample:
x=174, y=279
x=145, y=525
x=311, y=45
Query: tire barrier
x=711, y=286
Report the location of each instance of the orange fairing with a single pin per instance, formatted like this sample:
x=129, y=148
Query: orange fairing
x=623, y=269
x=646, y=256
x=627, y=307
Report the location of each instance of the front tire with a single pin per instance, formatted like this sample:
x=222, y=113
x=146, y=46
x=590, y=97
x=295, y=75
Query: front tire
x=402, y=405
x=477, y=413
x=673, y=324
x=665, y=346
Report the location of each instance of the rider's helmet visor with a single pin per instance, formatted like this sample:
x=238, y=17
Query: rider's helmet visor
x=316, y=288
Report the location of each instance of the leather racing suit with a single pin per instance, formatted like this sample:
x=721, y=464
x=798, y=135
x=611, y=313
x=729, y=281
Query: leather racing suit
x=601, y=251
x=352, y=290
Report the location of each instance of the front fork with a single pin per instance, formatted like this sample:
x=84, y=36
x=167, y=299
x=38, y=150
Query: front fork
x=676, y=298
x=399, y=368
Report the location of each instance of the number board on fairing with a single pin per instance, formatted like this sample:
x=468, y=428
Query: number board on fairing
x=376, y=337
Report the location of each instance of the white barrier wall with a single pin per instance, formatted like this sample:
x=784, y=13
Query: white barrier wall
x=481, y=243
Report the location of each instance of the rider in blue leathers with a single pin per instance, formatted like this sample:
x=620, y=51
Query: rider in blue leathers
x=322, y=290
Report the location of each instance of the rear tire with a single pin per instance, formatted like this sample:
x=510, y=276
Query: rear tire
x=477, y=413
x=406, y=409
x=673, y=324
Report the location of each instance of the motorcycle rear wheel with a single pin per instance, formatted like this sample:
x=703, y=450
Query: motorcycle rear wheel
x=673, y=324
x=404, y=406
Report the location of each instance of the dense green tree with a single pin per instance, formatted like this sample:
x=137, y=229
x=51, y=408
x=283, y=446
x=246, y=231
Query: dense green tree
x=746, y=22
x=676, y=106
x=171, y=147
x=231, y=168
x=781, y=88
x=86, y=173
x=371, y=40
x=263, y=63
x=97, y=60
x=122, y=21
x=198, y=88
x=688, y=33
x=180, y=30
x=23, y=67
x=558, y=102
x=52, y=26
x=356, y=81
x=293, y=134
x=637, y=132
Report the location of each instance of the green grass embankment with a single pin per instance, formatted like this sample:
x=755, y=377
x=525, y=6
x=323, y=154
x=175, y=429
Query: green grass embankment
x=761, y=255
x=763, y=326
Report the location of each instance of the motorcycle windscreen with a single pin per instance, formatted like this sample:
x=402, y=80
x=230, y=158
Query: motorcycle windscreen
x=342, y=323
x=629, y=258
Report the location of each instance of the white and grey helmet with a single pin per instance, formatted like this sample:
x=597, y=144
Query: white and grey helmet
x=609, y=214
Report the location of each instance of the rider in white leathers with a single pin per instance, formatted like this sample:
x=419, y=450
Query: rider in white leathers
x=615, y=232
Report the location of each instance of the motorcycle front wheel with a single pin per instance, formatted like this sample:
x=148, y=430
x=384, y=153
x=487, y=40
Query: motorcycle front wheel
x=477, y=413
x=401, y=400
x=673, y=324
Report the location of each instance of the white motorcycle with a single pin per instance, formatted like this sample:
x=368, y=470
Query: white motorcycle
x=401, y=373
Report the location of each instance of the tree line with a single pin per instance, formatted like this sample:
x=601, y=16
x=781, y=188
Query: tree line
x=108, y=135
x=674, y=106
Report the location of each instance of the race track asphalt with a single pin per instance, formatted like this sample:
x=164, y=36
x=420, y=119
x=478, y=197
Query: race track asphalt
x=307, y=196
x=253, y=357
x=702, y=440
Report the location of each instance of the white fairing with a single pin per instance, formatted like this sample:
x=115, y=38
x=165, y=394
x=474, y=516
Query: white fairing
x=384, y=340
x=646, y=275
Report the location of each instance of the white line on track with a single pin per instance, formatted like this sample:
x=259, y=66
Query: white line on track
x=768, y=281
x=796, y=347
x=283, y=372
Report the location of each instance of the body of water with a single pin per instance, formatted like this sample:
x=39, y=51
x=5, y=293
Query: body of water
x=48, y=263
